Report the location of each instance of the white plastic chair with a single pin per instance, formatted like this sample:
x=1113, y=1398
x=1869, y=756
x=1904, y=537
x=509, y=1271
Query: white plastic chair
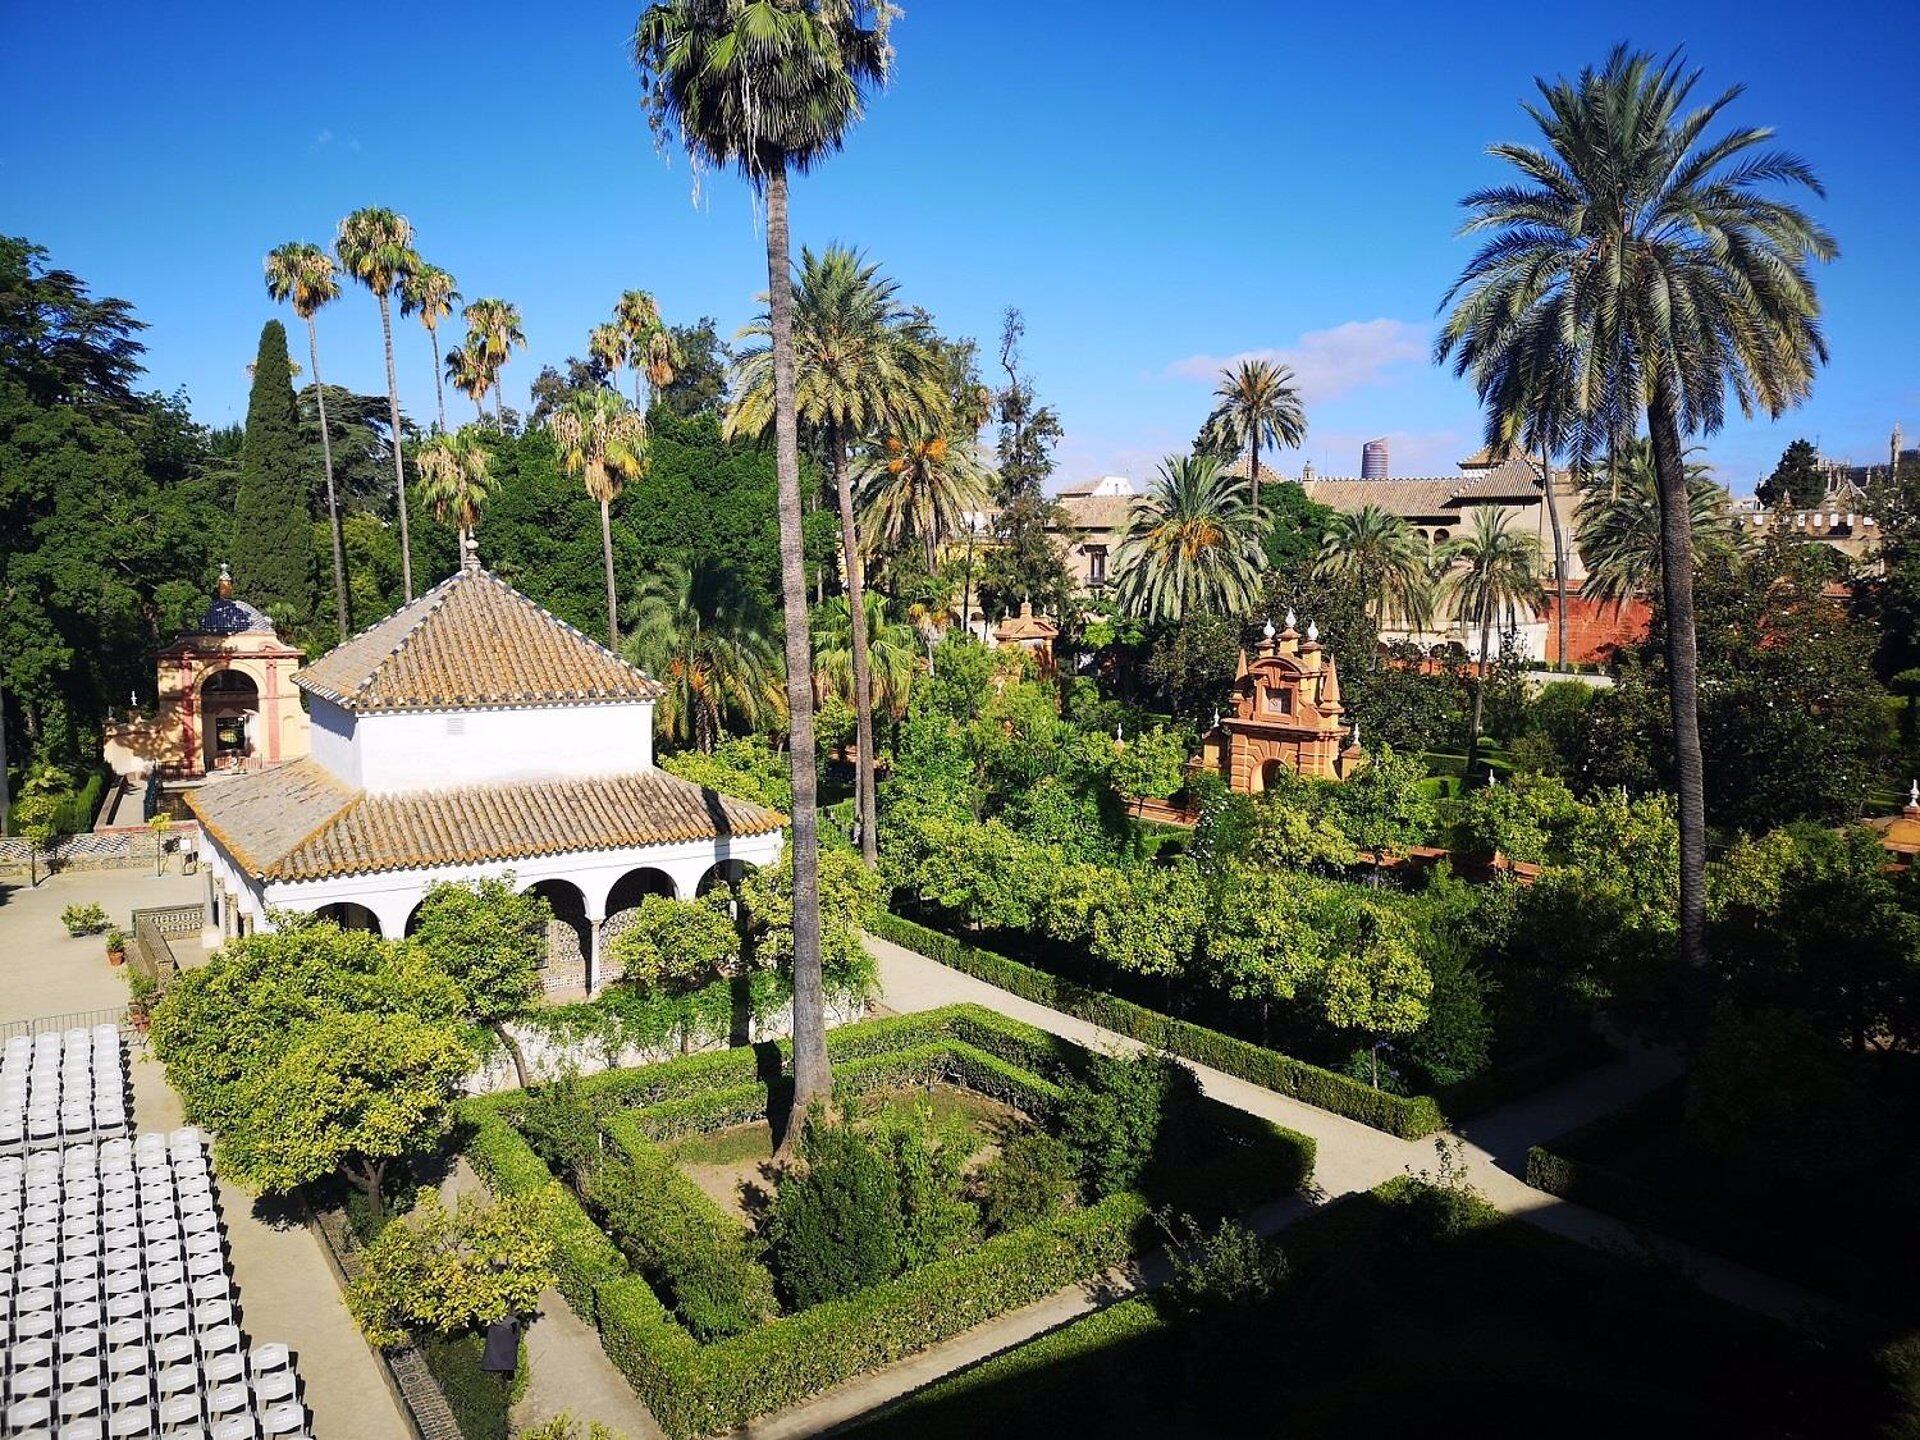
x=219, y=1340
x=178, y=1380
x=28, y=1415
x=128, y=1360
x=281, y=1385
x=87, y=1429
x=125, y=1424
x=285, y=1419
x=224, y=1369
x=214, y=1312
x=178, y=1412
x=234, y=1427
x=235, y=1399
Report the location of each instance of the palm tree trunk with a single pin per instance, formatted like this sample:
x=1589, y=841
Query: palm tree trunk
x=1683, y=667
x=439, y=383
x=333, y=505
x=812, y=1077
x=1253, y=474
x=1559, y=558
x=500, y=404
x=863, y=784
x=399, y=461
x=606, y=556
x=1479, y=695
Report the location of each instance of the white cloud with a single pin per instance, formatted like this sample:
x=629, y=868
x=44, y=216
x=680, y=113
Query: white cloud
x=1327, y=363
x=325, y=137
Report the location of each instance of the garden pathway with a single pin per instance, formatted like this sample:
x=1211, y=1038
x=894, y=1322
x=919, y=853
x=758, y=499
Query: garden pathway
x=1352, y=1157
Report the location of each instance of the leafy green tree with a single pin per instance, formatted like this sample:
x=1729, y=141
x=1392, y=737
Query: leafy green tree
x=36, y=815
x=849, y=892
x=1295, y=526
x=1257, y=403
x=272, y=544
x=1192, y=544
x=676, y=944
x=1652, y=263
x=351, y=1095
x=894, y=656
x=303, y=275
x=1193, y=665
x=452, y=1271
x=746, y=767
x=490, y=940
x=1153, y=763
x=699, y=384
x=1387, y=808
x=1024, y=562
x=1797, y=482
x=375, y=247
x=222, y=1024
x=769, y=91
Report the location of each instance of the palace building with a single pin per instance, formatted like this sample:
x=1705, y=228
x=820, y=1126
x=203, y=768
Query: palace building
x=472, y=734
x=1286, y=716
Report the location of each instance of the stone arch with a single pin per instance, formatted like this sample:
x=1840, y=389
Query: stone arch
x=229, y=718
x=729, y=873
x=570, y=930
x=351, y=915
x=1271, y=772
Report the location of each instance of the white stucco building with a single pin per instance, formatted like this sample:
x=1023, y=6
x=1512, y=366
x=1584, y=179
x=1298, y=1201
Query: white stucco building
x=472, y=734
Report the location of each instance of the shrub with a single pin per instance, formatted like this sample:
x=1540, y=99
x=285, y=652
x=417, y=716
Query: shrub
x=480, y=1399
x=1030, y=1178
x=1132, y=1114
x=84, y=920
x=935, y=1219
x=838, y=1224
x=677, y=944
x=691, y=1251
x=561, y=1125
x=1224, y=1268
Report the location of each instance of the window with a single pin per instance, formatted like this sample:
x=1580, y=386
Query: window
x=456, y=725
x=1096, y=564
x=1280, y=701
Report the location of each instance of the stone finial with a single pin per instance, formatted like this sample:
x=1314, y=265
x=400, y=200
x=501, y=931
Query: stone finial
x=1267, y=629
x=1120, y=732
x=1293, y=622
x=1216, y=718
x=1913, y=798
x=225, y=587
x=1313, y=632
x=470, y=551
x=1356, y=733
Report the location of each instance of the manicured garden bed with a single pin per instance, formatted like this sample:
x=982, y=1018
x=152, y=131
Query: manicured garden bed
x=678, y=1264
x=1389, y=1324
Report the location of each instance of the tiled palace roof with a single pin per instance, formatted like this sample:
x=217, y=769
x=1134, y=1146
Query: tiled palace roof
x=471, y=642
x=301, y=823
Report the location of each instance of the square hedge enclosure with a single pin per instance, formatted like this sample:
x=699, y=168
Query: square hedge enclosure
x=697, y=1386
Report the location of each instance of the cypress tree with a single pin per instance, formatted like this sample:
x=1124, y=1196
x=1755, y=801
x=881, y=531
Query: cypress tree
x=272, y=532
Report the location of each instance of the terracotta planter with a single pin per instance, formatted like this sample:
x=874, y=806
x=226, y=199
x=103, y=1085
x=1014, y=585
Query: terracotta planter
x=116, y=957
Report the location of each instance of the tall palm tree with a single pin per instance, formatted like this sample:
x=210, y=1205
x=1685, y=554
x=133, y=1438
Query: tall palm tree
x=894, y=649
x=375, y=246
x=770, y=87
x=863, y=364
x=608, y=345
x=1618, y=530
x=1493, y=576
x=920, y=489
x=603, y=441
x=1257, y=403
x=1380, y=556
x=303, y=275
x=1192, y=545
x=1654, y=266
x=429, y=292
x=456, y=479
x=650, y=348
x=494, y=326
x=466, y=366
x=705, y=636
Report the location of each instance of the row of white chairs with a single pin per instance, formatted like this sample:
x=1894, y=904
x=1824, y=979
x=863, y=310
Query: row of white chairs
x=62, y=1087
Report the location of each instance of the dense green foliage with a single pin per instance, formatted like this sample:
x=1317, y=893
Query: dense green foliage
x=272, y=546
x=451, y=1271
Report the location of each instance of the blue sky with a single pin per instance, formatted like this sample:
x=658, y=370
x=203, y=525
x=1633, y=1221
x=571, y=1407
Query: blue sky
x=1265, y=177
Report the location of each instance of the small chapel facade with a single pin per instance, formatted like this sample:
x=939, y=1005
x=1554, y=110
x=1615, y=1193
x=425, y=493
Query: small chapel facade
x=1285, y=715
x=226, y=701
x=472, y=734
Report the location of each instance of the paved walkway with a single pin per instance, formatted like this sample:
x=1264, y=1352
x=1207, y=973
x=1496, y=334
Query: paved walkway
x=1352, y=1157
x=44, y=970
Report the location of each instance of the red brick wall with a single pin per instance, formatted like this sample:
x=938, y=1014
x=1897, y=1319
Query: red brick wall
x=1595, y=627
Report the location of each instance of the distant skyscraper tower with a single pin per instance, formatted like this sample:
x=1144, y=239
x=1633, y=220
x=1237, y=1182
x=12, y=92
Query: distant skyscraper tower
x=1373, y=460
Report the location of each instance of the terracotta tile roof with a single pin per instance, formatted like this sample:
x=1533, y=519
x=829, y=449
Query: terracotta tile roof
x=1025, y=626
x=299, y=823
x=1515, y=479
x=1414, y=499
x=471, y=642
x=1096, y=512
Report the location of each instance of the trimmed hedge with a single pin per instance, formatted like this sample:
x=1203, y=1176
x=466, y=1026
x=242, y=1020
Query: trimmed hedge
x=1409, y=1117
x=694, y=1388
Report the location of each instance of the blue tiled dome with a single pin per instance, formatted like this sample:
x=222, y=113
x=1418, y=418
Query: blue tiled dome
x=228, y=616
